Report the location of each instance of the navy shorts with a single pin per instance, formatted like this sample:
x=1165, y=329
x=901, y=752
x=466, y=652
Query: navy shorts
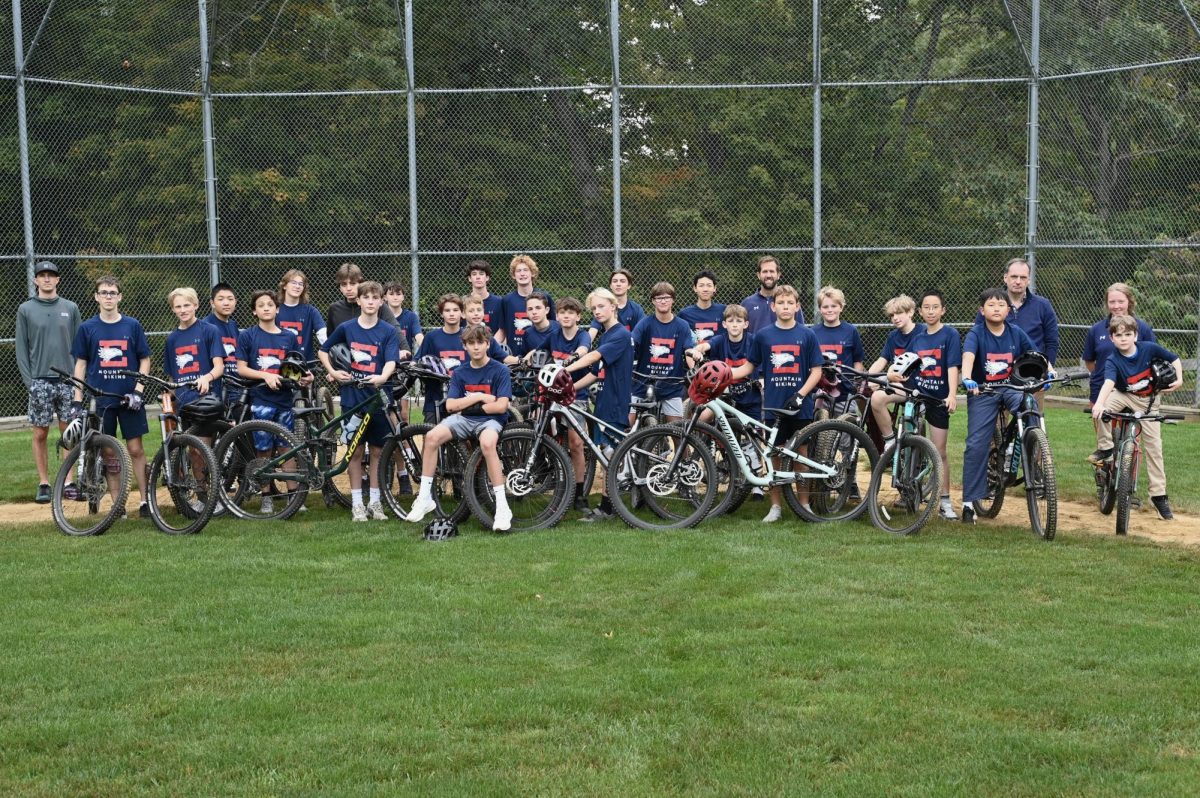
x=937, y=416
x=133, y=422
x=788, y=426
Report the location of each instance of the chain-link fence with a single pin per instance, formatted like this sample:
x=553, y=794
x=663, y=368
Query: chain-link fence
x=878, y=146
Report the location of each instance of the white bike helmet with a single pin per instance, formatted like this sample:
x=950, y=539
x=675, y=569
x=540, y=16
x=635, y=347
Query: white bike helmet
x=905, y=364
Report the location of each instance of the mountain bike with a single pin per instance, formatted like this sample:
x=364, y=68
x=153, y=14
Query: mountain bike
x=1117, y=478
x=906, y=482
x=674, y=468
x=179, y=487
x=1019, y=454
x=92, y=483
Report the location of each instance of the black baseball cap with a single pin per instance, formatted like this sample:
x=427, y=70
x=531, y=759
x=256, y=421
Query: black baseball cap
x=45, y=266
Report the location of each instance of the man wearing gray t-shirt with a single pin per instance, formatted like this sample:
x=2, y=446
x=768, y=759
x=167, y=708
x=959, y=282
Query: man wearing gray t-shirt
x=46, y=327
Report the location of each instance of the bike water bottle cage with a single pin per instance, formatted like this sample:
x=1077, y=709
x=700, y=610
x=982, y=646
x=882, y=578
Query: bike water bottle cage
x=339, y=357
x=905, y=364
x=710, y=381
x=293, y=366
x=1162, y=374
x=1031, y=368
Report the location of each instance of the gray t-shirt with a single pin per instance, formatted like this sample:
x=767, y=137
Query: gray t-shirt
x=45, y=330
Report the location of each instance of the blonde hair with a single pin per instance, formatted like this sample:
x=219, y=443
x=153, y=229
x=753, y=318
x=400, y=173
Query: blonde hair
x=469, y=301
x=519, y=260
x=1123, y=288
x=601, y=293
x=787, y=290
x=286, y=278
x=735, y=312
x=900, y=304
x=829, y=292
x=187, y=293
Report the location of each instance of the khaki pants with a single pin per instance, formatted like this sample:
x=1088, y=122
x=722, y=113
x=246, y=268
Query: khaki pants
x=1151, y=438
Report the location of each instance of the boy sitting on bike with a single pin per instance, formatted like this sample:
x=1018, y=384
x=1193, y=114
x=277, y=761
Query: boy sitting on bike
x=941, y=358
x=1129, y=386
x=900, y=310
x=570, y=341
x=478, y=396
x=374, y=348
x=987, y=359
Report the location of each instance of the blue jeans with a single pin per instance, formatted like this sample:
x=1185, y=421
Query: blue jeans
x=981, y=420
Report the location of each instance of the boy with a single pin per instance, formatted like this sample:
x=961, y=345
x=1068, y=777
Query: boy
x=514, y=320
x=408, y=323
x=705, y=316
x=223, y=303
x=348, y=276
x=104, y=344
x=988, y=353
x=446, y=344
x=660, y=344
x=790, y=360
x=566, y=342
x=1128, y=387
x=260, y=352
x=629, y=313
x=194, y=355
x=479, y=274
x=537, y=334
x=610, y=359
x=46, y=326
x=941, y=358
x=374, y=349
x=900, y=310
x=478, y=397
x=297, y=316
x=837, y=336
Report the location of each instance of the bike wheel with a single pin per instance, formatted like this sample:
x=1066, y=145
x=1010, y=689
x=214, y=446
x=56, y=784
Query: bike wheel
x=97, y=504
x=184, y=506
x=997, y=473
x=732, y=487
x=839, y=447
x=904, y=486
x=1106, y=486
x=1126, y=460
x=244, y=475
x=402, y=455
x=674, y=497
x=538, y=495
x=1041, y=485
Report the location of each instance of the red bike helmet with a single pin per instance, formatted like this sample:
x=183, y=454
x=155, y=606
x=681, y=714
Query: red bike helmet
x=556, y=383
x=712, y=378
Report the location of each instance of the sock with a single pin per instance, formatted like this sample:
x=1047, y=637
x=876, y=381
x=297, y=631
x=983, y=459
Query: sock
x=969, y=506
x=776, y=512
x=579, y=491
x=401, y=472
x=356, y=497
x=501, y=499
x=374, y=494
x=426, y=491
x=606, y=505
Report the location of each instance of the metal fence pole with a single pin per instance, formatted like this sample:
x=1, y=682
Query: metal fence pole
x=614, y=26
x=411, y=119
x=1032, y=198
x=210, y=169
x=23, y=145
x=816, y=122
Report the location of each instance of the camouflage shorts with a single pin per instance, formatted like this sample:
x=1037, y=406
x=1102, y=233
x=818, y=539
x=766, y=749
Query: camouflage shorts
x=48, y=399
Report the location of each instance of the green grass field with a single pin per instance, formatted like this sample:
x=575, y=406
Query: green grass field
x=317, y=657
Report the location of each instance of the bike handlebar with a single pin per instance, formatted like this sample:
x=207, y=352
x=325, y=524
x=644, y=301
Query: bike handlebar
x=83, y=386
x=1110, y=415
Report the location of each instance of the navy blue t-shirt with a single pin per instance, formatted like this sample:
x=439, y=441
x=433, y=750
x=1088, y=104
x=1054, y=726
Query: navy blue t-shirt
x=304, y=321
x=844, y=341
x=705, y=322
x=1132, y=374
x=561, y=349
x=265, y=351
x=107, y=348
x=448, y=347
x=939, y=351
x=616, y=369
x=1097, y=348
x=493, y=377
x=658, y=351
x=188, y=356
x=736, y=353
x=538, y=340
x=786, y=358
x=410, y=324
x=229, y=337
x=493, y=311
x=994, y=354
x=760, y=312
x=514, y=321
x=370, y=350
x=899, y=342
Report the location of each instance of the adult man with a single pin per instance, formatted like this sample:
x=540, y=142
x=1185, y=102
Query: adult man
x=760, y=306
x=1029, y=311
x=46, y=326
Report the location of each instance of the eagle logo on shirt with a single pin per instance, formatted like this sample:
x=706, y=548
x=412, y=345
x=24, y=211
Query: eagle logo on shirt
x=360, y=356
x=704, y=331
x=996, y=369
x=521, y=324
x=662, y=351
x=294, y=327
x=112, y=354
x=451, y=363
x=658, y=350
x=229, y=348
x=1139, y=387
x=785, y=359
x=782, y=358
x=185, y=359
x=267, y=362
x=363, y=356
x=928, y=363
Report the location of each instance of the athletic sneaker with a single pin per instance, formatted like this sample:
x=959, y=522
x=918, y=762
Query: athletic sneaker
x=1100, y=456
x=267, y=507
x=968, y=515
x=43, y=494
x=358, y=513
x=503, y=520
x=421, y=507
x=143, y=510
x=71, y=492
x=1163, y=507
x=405, y=486
x=596, y=515
x=773, y=515
x=946, y=509
x=756, y=494
x=375, y=509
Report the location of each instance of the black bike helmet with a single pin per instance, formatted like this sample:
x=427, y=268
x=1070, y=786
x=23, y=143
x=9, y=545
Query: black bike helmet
x=441, y=529
x=208, y=407
x=434, y=365
x=293, y=366
x=339, y=357
x=1162, y=374
x=1030, y=368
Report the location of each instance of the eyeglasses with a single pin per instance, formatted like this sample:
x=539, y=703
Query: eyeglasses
x=663, y=298
x=108, y=294
x=296, y=282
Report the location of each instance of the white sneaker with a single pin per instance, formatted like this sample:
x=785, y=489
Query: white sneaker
x=303, y=509
x=946, y=509
x=375, y=509
x=503, y=520
x=421, y=507
x=267, y=507
x=358, y=513
x=773, y=515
